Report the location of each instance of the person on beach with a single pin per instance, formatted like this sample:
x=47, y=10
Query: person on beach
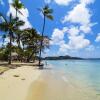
x=46, y=63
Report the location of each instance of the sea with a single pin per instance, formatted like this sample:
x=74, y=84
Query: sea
x=84, y=73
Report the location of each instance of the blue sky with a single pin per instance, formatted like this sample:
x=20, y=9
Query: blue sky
x=75, y=30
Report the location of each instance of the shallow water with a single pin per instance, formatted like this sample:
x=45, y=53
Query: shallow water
x=84, y=73
x=67, y=80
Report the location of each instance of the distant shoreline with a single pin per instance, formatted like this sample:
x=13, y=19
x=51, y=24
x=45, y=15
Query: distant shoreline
x=68, y=58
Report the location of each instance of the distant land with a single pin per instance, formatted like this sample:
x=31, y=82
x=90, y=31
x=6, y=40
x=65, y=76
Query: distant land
x=67, y=57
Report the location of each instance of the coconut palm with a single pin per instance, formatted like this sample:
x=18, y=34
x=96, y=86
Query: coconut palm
x=18, y=6
x=47, y=13
x=9, y=26
x=31, y=40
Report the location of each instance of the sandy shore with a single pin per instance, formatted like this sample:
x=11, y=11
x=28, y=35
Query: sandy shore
x=15, y=83
x=29, y=83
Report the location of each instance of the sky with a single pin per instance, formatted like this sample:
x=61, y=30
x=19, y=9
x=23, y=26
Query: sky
x=75, y=30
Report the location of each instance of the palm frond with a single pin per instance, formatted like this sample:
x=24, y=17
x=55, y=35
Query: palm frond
x=4, y=27
x=50, y=17
x=17, y=5
x=3, y=18
x=20, y=23
x=19, y=12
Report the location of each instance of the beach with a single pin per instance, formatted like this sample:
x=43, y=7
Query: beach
x=15, y=83
x=51, y=83
x=49, y=50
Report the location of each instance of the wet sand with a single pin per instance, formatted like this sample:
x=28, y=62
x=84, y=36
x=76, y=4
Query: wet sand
x=52, y=85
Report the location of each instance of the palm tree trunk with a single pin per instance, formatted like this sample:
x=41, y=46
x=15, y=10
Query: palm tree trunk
x=41, y=42
x=32, y=54
x=10, y=44
x=18, y=37
x=3, y=41
x=29, y=58
x=23, y=46
x=19, y=41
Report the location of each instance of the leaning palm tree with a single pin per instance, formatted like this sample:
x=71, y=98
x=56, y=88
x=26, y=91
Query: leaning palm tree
x=47, y=13
x=17, y=5
x=9, y=26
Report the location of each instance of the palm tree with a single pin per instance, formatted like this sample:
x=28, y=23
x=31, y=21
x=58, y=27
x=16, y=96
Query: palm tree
x=17, y=5
x=47, y=13
x=9, y=26
x=31, y=40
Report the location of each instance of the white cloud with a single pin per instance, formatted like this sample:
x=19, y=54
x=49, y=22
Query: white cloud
x=98, y=38
x=67, y=2
x=63, y=48
x=73, y=31
x=75, y=43
x=65, y=29
x=80, y=14
x=63, y=2
x=47, y=1
x=10, y=1
x=78, y=42
x=87, y=1
x=7, y=40
x=75, y=40
x=23, y=17
x=90, y=48
x=72, y=37
x=86, y=28
x=79, y=19
x=58, y=36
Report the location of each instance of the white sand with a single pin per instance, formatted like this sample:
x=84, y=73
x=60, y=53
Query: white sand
x=16, y=88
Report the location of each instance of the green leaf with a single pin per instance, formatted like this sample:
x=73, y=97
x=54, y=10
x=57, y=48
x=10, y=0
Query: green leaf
x=50, y=17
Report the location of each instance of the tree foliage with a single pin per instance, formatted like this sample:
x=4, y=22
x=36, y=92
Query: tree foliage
x=27, y=43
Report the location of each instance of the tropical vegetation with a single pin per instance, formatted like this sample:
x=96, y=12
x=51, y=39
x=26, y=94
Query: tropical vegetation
x=25, y=44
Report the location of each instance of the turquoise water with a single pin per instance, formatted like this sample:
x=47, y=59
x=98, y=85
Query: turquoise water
x=86, y=72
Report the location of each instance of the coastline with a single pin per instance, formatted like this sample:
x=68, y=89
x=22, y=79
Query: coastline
x=54, y=85
x=29, y=83
x=15, y=83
